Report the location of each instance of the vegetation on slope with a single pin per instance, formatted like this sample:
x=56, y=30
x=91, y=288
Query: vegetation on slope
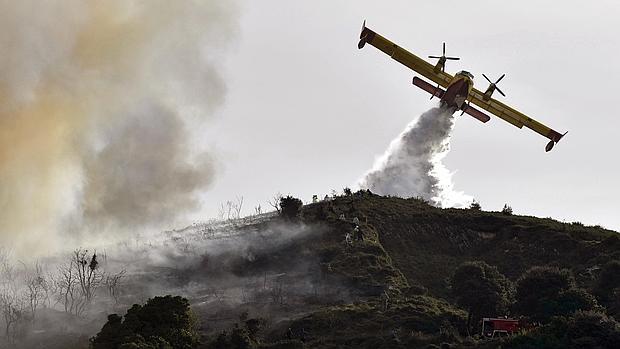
x=400, y=268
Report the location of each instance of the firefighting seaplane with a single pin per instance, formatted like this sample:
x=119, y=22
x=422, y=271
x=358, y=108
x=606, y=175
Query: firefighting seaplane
x=459, y=91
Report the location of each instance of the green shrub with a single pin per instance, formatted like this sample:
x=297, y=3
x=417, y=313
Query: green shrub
x=608, y=280
x=581, y=330
x=507, y=210
x=475, y=205
x=290, y=207
x=544, y=292
x=481, y=289
x=163, y=322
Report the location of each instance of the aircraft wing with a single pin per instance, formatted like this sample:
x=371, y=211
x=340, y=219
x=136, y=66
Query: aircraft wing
x=403, y=56
x=514, y=117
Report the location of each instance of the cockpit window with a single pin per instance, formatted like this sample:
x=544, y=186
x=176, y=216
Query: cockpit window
x=466, y=73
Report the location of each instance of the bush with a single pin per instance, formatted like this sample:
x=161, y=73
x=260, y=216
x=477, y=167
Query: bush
x=240, y=337
x=608, y=280
x=582, y=330
x=290, y=207
x=544, y=292
x=607, y=288
x=481, y=289
x=475, y=205
x=163, y=322
x=507, y=210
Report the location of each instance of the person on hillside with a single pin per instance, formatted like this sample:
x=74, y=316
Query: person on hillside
x=385, y=300
x=289, y=334
x=395, y=335
x=357, y=234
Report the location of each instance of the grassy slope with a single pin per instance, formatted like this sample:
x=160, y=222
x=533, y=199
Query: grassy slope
x=425, y=244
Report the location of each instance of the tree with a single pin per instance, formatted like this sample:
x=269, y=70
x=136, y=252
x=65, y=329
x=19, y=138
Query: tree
x=163, y=322
x=68, y=288
x=475, y=205
x=37, y=287
x=608, y=280
x=347, y=191
x=240, y=337
x=78, y=281
x=290, y=207
x=13, y=308
x=607, y=288
x=507, y=210
x=113, y=283
x=574, y=299
x=90, y=277
x=481, y=289
x=275, y=202
x=231, y=210
x=544, y=292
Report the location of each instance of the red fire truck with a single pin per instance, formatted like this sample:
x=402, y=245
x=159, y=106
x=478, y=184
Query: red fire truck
x=499, y=327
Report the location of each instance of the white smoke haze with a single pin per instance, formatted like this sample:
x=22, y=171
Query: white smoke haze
x=223, y=267
x=412, y=166
x=97, y=103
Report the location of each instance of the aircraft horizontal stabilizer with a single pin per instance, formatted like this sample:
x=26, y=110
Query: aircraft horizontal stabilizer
x=477, y=113
x=435, y=91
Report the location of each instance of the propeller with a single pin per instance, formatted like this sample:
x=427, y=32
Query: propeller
x=443, y=58
x=493, y=85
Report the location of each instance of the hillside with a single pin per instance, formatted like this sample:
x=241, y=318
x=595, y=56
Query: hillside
x=408, y=252
x=387, y=287
x=427, y=243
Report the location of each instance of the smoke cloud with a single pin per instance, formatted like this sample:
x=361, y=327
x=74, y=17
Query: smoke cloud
x=97, y=103
x=412, y=166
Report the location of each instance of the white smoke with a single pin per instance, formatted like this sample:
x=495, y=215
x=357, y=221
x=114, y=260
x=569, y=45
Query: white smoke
x=412, y=166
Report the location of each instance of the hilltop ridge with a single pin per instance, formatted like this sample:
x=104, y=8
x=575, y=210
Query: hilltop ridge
x=426, y=243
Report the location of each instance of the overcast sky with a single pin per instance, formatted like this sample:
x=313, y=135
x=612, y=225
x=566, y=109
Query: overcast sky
x=307, y=112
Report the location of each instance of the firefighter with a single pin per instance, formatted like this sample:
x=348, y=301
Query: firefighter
x=347, y=239
x=357, y=234
x=395, y=335
x=385, y=300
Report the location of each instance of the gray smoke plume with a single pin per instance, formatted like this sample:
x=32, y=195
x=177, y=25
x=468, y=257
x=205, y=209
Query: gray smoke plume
x=97, y=103
x=143, y=175
x=412, y=166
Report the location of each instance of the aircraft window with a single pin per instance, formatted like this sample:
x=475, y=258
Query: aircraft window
x=466, y=73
